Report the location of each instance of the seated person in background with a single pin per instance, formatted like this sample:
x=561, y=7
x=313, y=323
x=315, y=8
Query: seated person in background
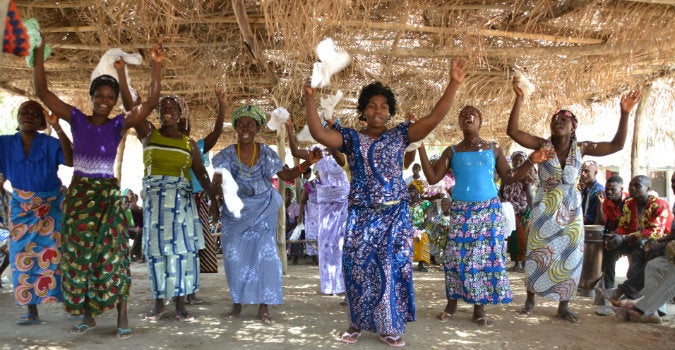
x=609, y=212
x=591, y=188
x=644, y=217
x=659, y=285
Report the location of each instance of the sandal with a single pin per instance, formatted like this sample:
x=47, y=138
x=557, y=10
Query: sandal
x=81, y=329
x=185, y=317
x=395, y=341
x=28, y=319
x=153, y=315
x=350, y=338
x=443, y=316
x=568, y=316
x=123, y=333
x=635, y=316
x=483, y=321
x=266, y=319
x=231, y=315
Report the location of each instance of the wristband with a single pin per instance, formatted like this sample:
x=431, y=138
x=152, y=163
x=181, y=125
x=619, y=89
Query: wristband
x=300, y=168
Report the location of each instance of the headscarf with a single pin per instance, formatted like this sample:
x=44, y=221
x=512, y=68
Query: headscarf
x=38, y=106
x=102, y=80
x=572, y=117
x=182, y=108
x=249, y=111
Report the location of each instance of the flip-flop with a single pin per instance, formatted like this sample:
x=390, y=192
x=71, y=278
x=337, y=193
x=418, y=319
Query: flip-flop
x=81, y=328
x=230, y=315
x=123, y=333
x=484, y=321
x=28, y=319
x=569, y=316
x=266, y=319
x=635, y=316
x=395, y=341
x=185, y=317
x=350, y=338
x=443, y=316
x=153, y=315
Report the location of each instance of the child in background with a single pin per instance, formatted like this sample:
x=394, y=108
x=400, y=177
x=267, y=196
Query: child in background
x=421, y=249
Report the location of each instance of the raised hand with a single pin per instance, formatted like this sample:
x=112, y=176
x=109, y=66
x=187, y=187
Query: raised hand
x=516, y=89
x=221, y=95
x=629, y=101
x=541, y=155
x=52, y=119
x=458, y=69
x=158, y=52
x=307, y=88
x=315, y=155
x=410, y=117
x=119, y=65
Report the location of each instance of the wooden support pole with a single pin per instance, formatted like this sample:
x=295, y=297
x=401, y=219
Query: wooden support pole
x=281, y=221
x=635, y=146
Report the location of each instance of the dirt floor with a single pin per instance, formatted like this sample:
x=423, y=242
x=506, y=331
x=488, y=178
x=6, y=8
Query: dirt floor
x=309, y=320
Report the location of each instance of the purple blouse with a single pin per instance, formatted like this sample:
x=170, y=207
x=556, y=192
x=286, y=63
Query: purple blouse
x=95, y=146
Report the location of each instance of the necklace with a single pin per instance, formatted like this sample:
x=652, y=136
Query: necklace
x=250, y=164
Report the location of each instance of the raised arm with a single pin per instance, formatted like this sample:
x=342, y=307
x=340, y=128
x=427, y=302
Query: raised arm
x=509, y=175
x=513, y=128
x=136, y=116
x=598, y=149
x=338, y=156
x=422, y=127
x=125, y=92
x=288, y=174
x=211, y=139
x=326, y=136
x=66, y=144
x=55, y=104
x=203, y=176
x=435, y=172
x=293, y=144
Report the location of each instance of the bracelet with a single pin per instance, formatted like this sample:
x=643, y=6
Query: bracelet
x=59, y=131
x=530, y=160
x=300, y=168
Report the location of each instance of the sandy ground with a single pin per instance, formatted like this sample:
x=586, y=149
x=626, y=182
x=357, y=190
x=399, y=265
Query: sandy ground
x=309, y=320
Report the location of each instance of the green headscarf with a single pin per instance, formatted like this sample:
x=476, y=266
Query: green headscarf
x=249, y=111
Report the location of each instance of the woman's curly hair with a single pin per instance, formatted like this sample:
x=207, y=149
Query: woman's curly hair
x=373, y=89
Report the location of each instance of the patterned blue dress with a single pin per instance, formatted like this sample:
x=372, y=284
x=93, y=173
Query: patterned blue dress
x=377, y=259
x=252, y=264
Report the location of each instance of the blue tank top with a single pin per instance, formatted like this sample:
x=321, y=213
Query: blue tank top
x=474, y=175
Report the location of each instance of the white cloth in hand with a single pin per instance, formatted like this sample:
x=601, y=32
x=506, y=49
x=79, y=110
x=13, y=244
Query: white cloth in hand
x=332, y=61
x=232, y=201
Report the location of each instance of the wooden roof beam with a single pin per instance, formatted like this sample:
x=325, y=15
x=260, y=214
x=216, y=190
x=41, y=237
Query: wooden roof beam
x=479, y=32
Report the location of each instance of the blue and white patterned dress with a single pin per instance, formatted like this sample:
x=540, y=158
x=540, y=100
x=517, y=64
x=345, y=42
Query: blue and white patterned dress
x=377, y=254
x=252, y=265
x=555, y=242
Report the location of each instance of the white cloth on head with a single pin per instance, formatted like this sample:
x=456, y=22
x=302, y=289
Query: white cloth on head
x=232, y=201
x=107, y=66
x=332, y=61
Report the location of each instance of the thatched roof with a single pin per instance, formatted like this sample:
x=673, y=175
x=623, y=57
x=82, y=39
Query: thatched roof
x=574, y=51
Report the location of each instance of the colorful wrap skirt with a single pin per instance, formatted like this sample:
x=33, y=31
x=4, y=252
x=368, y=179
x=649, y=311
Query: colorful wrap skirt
x=474, y=255
x=35, y=246
x=95, y=264
x=172, y=236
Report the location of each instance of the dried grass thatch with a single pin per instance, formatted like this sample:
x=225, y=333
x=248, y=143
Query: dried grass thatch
x=260, y=51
